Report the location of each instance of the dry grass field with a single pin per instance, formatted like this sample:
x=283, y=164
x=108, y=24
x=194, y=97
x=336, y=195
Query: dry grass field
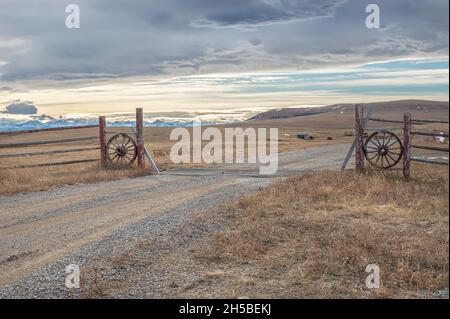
x=312, y=236
x=327, y=128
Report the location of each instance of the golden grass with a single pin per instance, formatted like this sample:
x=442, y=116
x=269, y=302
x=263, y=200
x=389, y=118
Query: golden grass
x=314, y=235
x=31, y=179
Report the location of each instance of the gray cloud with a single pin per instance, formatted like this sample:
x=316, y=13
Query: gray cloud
x=247, y=15
x=178, y=37
x=19, y=107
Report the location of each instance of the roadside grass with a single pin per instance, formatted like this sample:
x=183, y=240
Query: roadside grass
x=312, y=236
x=13, y=181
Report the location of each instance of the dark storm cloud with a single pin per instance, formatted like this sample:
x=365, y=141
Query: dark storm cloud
x=119, y=39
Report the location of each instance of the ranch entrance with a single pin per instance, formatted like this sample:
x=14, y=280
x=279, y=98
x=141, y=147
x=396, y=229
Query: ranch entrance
x=395, y=148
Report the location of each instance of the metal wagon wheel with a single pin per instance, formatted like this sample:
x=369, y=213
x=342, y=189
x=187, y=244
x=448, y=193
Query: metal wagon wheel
x=121, y=150
x=383, y=149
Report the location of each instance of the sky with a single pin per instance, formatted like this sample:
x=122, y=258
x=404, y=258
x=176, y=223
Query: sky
x=219, y=54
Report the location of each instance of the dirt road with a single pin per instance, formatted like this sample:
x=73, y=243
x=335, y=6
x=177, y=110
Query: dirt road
x=42, y=232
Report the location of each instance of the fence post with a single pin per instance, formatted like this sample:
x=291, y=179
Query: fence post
x=359, y=138
x=140, y=137
x=102, y=137
x=407, y=145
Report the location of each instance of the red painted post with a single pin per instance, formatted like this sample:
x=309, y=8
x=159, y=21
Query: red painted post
x=102, y=137
x=407, y=145
x=359, y=138
x=140, y=137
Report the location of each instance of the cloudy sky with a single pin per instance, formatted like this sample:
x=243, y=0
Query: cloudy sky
x=215, y=54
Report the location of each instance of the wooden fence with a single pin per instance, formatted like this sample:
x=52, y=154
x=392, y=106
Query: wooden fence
x=142, y=152
x=49, y=142
x=408, y=134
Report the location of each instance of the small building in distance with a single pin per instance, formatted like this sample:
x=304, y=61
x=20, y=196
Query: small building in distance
x=305, y=136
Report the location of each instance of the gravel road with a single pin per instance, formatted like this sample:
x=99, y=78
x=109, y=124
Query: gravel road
x=41, y=233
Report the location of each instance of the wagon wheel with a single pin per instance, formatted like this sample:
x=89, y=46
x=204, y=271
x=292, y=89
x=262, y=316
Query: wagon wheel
x=383, y=149
x=121, y=150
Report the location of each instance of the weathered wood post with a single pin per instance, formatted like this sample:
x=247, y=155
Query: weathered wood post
x=407, y=145
x=359, y=138
x=102, y=137
x=140, y=137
